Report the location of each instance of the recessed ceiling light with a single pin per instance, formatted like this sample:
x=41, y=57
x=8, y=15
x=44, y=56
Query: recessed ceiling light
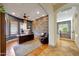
x=13, y=13
x=38, y=12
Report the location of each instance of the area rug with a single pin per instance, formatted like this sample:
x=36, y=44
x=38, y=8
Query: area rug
x=27, y=47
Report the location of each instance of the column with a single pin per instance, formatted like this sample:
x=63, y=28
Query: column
x=52, y=27
x=2, y=35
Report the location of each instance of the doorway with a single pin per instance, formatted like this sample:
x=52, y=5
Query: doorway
x=64, y=29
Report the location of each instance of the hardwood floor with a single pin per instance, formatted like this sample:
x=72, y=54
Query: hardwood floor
x=63, y=48
x=9, y=47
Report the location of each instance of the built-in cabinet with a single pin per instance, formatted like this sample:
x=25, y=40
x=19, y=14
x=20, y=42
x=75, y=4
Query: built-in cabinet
x=29, y=25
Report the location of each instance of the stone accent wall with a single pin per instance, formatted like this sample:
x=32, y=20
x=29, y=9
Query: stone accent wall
x=40, y=25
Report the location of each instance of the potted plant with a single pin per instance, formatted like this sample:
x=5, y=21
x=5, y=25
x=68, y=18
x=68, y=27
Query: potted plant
x=2, y=9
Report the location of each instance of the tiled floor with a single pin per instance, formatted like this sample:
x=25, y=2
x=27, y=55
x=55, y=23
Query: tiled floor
x=63, y=48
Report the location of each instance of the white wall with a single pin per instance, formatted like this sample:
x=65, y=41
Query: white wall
x=76, y=26
x=52, y=24
x=64, y=15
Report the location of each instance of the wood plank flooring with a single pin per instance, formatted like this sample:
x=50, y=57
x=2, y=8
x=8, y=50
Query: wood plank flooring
x=63, y=48
x=9, y=47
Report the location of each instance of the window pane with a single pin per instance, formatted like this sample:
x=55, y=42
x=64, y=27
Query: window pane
x=14, y=27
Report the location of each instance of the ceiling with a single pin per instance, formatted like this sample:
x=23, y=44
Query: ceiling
x=34, y=10
x=58, y=5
